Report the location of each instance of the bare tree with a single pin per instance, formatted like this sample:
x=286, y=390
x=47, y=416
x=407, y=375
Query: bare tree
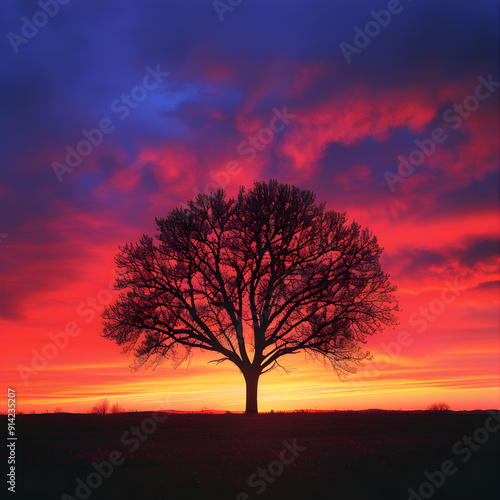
x=438, y=407
x=252, y=279
x=116, y=408
x=101, y=407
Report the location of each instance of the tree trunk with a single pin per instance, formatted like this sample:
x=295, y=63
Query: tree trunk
x=252, y=380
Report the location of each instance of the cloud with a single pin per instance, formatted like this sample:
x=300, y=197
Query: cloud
x=478, y=254
x=479, y=250
x=488, y=285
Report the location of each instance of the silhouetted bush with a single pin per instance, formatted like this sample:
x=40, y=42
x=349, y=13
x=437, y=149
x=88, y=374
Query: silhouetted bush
x=116, y=408
x=438, y=407
x=101, y=407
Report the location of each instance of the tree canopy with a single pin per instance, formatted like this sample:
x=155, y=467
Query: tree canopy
x=253, y=278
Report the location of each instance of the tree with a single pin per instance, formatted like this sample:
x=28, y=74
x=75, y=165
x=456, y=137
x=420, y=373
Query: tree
x=253, y=278
x=438, y=407
x=116, y=408
x=101, y=407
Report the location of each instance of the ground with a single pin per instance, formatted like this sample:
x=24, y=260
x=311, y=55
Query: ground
x=347, y=456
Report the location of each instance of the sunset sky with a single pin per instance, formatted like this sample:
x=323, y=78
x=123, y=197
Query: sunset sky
x=184, y=93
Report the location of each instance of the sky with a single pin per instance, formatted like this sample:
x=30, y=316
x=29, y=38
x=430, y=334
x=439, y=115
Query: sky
x=115, y=112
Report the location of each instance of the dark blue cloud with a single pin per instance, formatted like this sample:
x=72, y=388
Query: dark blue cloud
x=479, y=250
x=475, y=197
x=442, y=262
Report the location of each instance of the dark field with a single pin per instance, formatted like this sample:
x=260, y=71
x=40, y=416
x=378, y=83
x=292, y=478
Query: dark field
x=348, y=455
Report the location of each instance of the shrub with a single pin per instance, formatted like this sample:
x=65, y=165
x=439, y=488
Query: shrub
x=438, y=407
x=101, y=407
x=116, y=408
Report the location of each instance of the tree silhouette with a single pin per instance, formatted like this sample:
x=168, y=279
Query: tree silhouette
x=116, y=408
x=438, y=407
x=252, y=278
x=101, y=407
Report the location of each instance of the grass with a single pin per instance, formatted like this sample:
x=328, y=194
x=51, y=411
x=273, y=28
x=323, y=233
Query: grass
x=349, y=455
